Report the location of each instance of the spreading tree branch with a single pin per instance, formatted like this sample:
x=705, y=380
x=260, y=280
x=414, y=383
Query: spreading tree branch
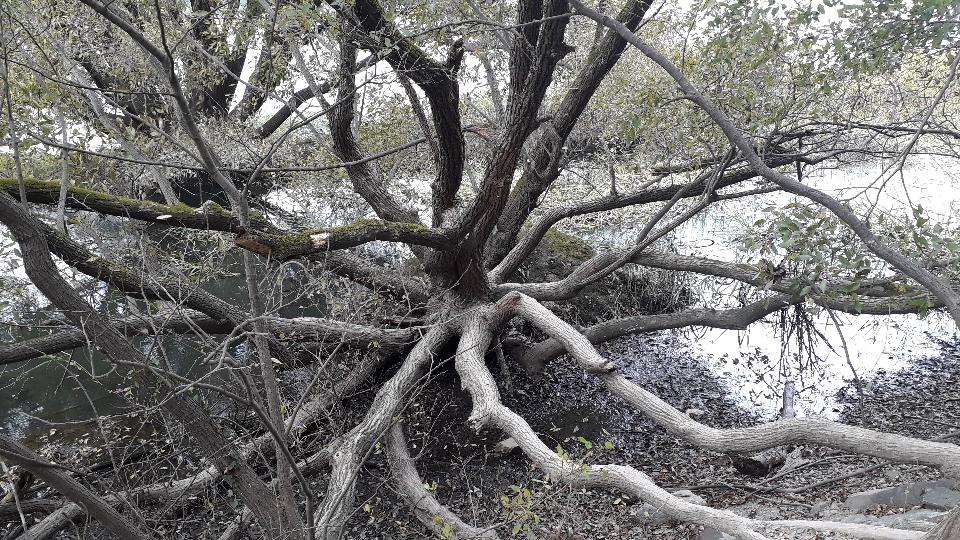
x=936, y=285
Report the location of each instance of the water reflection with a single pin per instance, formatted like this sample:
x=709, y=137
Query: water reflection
x=750, y=360
x=873, y=343
x=64, y=392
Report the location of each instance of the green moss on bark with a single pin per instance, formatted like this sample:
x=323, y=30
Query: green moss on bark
x=567, y=246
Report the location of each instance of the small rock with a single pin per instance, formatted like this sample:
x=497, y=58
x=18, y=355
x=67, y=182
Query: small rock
x=819, y=508
x=940, y=498
x=773, y=513
x=506, y=447
x=709, y=533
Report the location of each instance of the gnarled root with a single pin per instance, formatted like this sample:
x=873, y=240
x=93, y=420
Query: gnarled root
x=354, y=447
x=488, y=410
x=425, y=506
x=752, y=439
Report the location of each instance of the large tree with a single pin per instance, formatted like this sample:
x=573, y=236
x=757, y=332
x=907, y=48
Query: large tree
x=306, y=134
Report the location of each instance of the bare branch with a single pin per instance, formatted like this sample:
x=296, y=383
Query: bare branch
x=936, y=285
x=732, y=319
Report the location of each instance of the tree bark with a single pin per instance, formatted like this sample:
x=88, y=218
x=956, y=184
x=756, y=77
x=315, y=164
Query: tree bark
x=429, y=511
x=53, y=476
x=214, y=445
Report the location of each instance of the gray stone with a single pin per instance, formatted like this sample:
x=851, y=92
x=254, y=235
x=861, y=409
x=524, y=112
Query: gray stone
x=940, y=498
x=904, y=495
x=915, y=520
x=907, y=495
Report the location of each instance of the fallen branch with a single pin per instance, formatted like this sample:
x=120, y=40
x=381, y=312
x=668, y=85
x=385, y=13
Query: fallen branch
x=30, y=506
x=298, y=329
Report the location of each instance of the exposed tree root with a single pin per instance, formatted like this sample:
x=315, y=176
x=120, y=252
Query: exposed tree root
x=429, y=511
x=947, y=529
x=352, y=450
x=752, y=439
x=348, y=454
x=488, y=410
x=856, y=530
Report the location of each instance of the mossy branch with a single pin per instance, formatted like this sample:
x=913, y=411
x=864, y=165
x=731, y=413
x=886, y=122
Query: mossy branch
x=261, y=238
x=299, y=244
x=210, y=216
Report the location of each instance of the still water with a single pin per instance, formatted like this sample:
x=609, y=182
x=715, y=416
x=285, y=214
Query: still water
x=59, y=396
